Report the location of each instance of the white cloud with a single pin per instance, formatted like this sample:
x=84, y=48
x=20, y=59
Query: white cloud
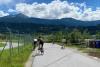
x=59, y=9
x=5, y=1
x=89, y=15
x=2, y=14
x=11, y=10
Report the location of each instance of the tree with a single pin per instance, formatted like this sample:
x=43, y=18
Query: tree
x=86, y=34
x=58, y=36
x=98, y=35
x=75, y=36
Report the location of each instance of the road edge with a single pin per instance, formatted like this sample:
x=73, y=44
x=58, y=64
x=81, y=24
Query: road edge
x=29, y=62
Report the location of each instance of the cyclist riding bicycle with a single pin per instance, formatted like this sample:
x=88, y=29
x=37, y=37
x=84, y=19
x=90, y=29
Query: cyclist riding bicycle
x=63, y=43
x=34, y=44
x=40, y=44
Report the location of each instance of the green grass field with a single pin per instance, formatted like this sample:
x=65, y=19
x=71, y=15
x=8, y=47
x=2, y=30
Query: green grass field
x=91, y=51
x=2, y=45
x=17, y=59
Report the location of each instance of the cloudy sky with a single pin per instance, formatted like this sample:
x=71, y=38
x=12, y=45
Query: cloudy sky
x=86, y=10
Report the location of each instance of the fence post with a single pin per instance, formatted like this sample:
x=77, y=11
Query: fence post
x=24, y=39
x=18, y=42
x=10, y=47
x=3, y=48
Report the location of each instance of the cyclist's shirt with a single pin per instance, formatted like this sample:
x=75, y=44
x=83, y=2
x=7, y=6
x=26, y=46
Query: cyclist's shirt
x=40, y=41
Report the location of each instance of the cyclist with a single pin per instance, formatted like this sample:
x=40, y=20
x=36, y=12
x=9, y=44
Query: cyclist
x=63, y=43
x=34, y=43
x=41, y=43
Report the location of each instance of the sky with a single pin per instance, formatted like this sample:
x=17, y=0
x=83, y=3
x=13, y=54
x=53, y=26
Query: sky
x=85, y=10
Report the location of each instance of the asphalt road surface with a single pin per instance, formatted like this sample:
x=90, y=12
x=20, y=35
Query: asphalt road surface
x=54, y=56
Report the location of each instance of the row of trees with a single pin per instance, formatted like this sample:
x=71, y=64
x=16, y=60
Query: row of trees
x=74, y=36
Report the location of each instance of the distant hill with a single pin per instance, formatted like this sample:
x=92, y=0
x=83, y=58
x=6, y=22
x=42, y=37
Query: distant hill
x=24, y=23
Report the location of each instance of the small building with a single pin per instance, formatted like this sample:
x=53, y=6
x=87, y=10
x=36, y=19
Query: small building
x=97, y=43
x=92, y=43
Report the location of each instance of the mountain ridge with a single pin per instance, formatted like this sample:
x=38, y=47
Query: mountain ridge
x=23, y=23
x=20, y=18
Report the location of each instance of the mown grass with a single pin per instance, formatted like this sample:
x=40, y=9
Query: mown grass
x=2, y=45
x=17, y=59
x=95, y=52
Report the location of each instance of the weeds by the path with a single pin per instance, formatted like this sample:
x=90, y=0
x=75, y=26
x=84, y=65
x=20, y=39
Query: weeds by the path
x=1, y=45
x=17, y=59
x=95, y=52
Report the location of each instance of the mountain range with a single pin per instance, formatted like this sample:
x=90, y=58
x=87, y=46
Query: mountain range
x=22, y=22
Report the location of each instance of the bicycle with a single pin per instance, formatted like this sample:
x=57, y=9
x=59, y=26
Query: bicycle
x=62, y=46
x=41, y=50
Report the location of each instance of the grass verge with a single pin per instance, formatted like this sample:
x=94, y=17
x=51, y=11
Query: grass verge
x=95, y=52
x=1, y=45
x=17, y=59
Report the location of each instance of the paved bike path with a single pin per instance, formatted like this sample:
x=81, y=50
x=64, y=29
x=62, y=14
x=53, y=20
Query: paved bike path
x=54, y=56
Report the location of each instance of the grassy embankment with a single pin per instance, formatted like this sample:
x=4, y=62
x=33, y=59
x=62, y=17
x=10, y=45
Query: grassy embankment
x=1, y=45
x=17, y=59
x=90, y=51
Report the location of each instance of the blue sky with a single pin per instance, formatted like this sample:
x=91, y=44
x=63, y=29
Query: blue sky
x=90, y=3
x=53, y=9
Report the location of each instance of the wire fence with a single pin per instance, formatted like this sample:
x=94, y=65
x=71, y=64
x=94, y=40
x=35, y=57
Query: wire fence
x=14, y=45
